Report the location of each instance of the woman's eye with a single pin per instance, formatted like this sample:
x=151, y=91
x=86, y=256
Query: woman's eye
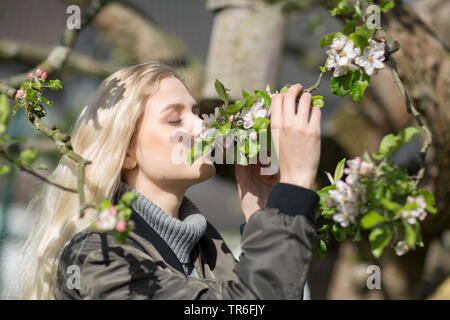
x=175, y=122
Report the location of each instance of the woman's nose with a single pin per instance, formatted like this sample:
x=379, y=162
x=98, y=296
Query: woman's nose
x=197, y=128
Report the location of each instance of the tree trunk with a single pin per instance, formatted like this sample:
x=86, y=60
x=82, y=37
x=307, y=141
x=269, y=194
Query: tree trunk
x=245, y=46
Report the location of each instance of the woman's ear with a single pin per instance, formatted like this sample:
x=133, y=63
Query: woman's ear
x=130, y=162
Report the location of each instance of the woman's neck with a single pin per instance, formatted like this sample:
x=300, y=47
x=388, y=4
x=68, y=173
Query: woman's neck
x=168, y=198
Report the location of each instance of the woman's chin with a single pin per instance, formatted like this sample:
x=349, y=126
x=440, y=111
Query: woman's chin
x=204, y=168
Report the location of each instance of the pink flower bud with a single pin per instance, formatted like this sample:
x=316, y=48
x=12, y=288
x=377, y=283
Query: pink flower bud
x=113, y=211
x=21, y=94
x=121, y=226
x=44, y=75
x=38, y=73
x=231, y=118
x=30, y=76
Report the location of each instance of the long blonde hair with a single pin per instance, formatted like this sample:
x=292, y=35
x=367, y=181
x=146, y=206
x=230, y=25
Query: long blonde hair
x=102, y=134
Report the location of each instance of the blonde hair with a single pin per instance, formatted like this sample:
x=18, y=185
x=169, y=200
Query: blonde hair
x=102, y=134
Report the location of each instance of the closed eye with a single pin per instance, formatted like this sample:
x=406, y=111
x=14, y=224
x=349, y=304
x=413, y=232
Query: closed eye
x=176, y=122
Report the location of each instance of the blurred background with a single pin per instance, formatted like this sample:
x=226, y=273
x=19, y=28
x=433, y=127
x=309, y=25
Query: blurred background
x=247, y=44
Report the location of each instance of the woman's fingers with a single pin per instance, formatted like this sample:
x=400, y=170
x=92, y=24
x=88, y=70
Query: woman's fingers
x=289, y=103
x=316, y=114
x=276, y=110
x=304, y=106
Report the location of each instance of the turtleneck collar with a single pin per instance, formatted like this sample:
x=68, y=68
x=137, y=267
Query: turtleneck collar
x=180, y=234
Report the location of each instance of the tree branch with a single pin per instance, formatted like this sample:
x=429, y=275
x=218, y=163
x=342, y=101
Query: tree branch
x=413, y=111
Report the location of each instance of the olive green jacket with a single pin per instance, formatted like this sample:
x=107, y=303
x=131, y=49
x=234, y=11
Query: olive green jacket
x=276, y=250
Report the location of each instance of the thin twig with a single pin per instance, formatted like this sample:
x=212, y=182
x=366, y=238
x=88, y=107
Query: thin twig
x=8, y=157
x=316, y=85
x=54, y=62
x=413, y=111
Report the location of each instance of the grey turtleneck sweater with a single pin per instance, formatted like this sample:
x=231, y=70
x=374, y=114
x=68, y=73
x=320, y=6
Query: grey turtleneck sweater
x=180, y=234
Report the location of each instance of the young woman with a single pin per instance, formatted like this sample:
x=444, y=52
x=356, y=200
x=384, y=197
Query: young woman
x=130, y=131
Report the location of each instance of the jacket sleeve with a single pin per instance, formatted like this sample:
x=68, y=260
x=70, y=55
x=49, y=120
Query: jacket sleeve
x=276, y=250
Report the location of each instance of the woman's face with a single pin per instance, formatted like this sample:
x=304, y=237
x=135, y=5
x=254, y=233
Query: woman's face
x=168, y=128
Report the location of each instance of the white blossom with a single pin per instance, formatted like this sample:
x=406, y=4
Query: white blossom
x=338, y=43
x=341, y=55
x=211, y=118
x=257, y=110
x=372, y=57
x=107, y=220
x=349, y=196
x=342, y=218
x=417, y=213
x=348, y=53
x=401, y=248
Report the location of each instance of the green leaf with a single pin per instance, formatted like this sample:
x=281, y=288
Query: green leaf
x=200, y=148
x=341, y=86
x=54, y=84
x=371, y=219
x=321, y=249
x=238, y=105
x=284, y=89
x=358, y=40
x=364, y=31
x=15, y=109
x=261, y=123
x=349, y=26
x=105, y=204
x=339, y=233
x=4, y=170
x=330, y=177
x=5, y=110
x=28, y=156
x=339, y=171
x=360, y=81
x=410, y=233
x=342, y=7
x=379, y=238
x=429, y=200
x=419, y=241
x=327, y=39
x=127, y=198
x=265, y=96
x=124, y=214
x=387, y=5
x=357, y=236
x=317, y=101
x=222, y=92
x=391, y=143
x=225, y=128
x=389, y=205
x=47, y=102
x=43, y=167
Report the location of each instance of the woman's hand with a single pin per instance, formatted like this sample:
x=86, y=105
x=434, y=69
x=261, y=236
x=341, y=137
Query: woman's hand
x=296, y=136
x=253, y=188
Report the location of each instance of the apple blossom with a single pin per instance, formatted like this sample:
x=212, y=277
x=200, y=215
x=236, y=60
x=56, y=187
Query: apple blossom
x=401, y=248
x=257, y=110
x=121, y=226
x=21, y=94
x=106, y=220
x=209, y=119
x=372, y=57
